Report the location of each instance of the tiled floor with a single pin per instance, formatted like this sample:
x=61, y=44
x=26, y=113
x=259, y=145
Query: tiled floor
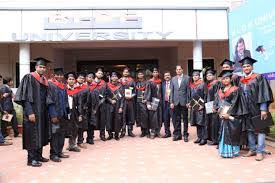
x=136, y=160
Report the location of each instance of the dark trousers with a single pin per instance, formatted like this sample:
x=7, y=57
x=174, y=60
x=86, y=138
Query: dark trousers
x=166, y=117
x=80, y=138
x=14, y=123
x=57, y=143
x=200, y=132
x=90, y=132
x=35, y=154
x=177, y=112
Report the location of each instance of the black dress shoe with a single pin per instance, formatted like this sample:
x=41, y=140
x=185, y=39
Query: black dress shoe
x=103, y=138
x=34, y=163
x=152, y=136
x=166, y=136
x=55, y=159
x=74, y=149
x=122, y=134
x=143, y=135
x=202, y=142
x=62, y=155
x=213, y=143
x=197, y=141
x=185, y=138
x=43, y=160
x=130, y=134
x=175, y=138
x=117, y=137
x=110, y=137
x=90, y=141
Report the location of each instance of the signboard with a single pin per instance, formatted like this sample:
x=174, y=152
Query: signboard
x=252, y=33
x=87, y=25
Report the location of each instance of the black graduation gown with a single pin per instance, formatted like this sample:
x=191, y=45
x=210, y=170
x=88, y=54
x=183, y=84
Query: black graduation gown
x=257, y=91
x=197, y=117
x=212, y=123
x=35, y=98
x=60, y=108
x=96, y=105
x=153, y=89
x=79, y=98
x=129, y=106
x=233, y=129
x=74, y=111
x=141, y=108
x=114, y=118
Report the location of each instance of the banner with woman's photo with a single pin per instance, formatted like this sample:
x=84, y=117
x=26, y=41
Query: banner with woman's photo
x=252, y=33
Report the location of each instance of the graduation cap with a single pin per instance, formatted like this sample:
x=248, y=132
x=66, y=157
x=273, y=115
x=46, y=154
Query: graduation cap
x=196, y=72
x=248, y=60
x=260, y=48
x=41, y=61
x=70, y=74
x=83, y=74
x=90, y=74
x=58, y=71
x=114, y=73
x=228, y=62
x=99, y=68
x=226, y=73
x=210, y=71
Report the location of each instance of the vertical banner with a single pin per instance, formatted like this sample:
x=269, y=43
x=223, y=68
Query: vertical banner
x=252, y=33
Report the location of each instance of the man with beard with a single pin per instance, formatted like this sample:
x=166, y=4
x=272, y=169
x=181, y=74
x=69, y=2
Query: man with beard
x=73, y=114
x=33, y=95
x=96, y=106
x=81, y=86
x=90, y=78
x=141, y=108
x=129, y=107
x=58, y=114
x=258, y=95
x=115, y=104
x=153, y=97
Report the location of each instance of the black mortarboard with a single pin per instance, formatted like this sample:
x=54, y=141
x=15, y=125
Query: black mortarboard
x=41, y=61
x=226, y=73
x=228, y=62
x=196, y=71
x=83, y=74
x=210, y=71
x=114, y=73
x=90, y=74
x=58, y=71
x=70, y=74
x=248, y=60
x=99, y=68
x=260, y=48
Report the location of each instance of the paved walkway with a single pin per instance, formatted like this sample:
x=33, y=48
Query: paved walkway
x=134, y=160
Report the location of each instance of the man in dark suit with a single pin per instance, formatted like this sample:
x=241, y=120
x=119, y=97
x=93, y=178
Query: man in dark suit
x=178, y=101
x=166, y=111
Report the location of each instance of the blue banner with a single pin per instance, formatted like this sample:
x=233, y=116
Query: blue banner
x=252, y=33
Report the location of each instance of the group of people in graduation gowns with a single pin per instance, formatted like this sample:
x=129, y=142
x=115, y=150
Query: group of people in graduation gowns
x=67, y=105
x=235, y=102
